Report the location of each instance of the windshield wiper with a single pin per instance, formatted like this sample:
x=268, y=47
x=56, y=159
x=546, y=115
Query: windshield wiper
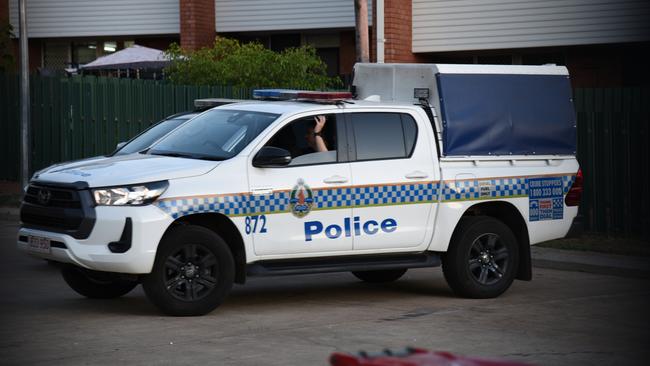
x=208, y=157
x=186, y=155
x=173, y=154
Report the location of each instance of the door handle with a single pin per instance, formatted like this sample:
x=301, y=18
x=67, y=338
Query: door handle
x=416, y=175
x=335, y=179
x=262, y=191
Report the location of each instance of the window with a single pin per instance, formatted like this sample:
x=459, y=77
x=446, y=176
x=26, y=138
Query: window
x=84, y=52
x=56, y=55
x=151, y=135
x=383, y=135
x=298, y=138
x=217, y=134
x=110, y=47
x=330, y=56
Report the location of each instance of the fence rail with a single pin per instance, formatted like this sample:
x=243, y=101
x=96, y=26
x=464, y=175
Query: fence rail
x=78, y=117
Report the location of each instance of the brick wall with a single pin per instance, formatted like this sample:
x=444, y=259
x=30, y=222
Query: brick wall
x=4, y=10
x=35, y=53
x=347, y=52
x=398, y=31
x=197, y=23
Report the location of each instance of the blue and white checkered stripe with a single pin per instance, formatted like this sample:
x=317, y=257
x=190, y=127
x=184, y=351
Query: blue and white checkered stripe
x=332, y=198
x=231, y=205
x=567, y=182
x=324, y=198
x=395, y=194
x=470, y=189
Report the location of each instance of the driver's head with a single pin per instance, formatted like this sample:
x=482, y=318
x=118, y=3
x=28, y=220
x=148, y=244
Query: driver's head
x=309, y=136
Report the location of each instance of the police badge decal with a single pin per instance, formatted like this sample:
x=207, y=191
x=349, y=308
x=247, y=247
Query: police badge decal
x=301, y=199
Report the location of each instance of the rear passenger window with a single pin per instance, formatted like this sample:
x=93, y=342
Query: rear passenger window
x=383, y=135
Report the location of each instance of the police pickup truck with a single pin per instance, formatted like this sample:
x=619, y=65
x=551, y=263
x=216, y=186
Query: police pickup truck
x=463, y=166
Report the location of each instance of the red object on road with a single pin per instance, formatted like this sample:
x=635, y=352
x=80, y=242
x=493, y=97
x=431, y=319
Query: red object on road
x=414, y=357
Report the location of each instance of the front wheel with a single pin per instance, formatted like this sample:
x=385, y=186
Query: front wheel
x=482, y=258
x=192, y=274
x=95, y=284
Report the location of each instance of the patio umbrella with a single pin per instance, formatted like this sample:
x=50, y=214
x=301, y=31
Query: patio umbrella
x=134, y=57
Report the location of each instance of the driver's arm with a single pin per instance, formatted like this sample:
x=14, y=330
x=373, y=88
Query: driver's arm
x=318, y=138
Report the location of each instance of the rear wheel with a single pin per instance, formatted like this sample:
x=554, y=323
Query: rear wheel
x=380, y=276
x=482, y=258
x=193, y=272
x=95, y=284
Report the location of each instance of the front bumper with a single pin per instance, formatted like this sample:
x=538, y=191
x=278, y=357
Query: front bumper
x=148, y=224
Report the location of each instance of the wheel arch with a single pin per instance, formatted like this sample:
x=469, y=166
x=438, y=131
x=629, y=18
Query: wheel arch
x=225, y=228
x=507, y=213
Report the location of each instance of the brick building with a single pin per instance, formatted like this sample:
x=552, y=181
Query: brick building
x=600, y=42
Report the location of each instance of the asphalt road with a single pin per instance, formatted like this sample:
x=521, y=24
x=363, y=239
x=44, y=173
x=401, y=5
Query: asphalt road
x=560, y=318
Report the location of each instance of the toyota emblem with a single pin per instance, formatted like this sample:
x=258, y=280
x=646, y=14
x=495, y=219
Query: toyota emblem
x=44, y=196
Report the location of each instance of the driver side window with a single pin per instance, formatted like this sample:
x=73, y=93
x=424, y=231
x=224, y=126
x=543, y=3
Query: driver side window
x=310, y=140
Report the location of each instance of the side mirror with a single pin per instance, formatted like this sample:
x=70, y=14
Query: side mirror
x=270, y=156
x=120, y=145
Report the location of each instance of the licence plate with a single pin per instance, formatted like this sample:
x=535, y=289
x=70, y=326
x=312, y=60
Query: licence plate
x=38, y=244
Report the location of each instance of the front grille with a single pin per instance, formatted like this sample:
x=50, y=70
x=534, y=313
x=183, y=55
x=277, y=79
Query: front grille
x=56, y=197
x=58, y=208
x=65, y=223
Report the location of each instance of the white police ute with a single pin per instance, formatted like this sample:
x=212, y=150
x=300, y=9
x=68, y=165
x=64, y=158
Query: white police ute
x=463, y=166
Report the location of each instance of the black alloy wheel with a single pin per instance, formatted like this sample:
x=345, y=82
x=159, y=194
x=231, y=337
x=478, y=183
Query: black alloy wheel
x=482, y=258
x=488, y=259
x=193, y=272
x=95, y=284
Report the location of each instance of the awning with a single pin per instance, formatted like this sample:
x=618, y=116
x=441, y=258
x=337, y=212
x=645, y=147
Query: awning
x=134, y=57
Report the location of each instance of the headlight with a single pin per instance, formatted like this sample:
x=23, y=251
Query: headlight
x=135, y=195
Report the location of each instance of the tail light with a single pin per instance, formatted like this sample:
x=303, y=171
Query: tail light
x=575, y=193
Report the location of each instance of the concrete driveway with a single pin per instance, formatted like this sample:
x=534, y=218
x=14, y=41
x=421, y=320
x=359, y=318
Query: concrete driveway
x=560, y=318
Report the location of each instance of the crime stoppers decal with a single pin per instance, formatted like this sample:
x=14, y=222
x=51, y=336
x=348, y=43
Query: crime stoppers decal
x=545, y=198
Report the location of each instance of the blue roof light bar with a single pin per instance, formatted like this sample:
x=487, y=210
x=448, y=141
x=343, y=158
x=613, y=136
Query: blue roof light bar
x=277, y=94
x=302, y=95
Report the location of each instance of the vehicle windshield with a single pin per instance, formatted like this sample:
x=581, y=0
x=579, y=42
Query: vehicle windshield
x=218, y=134
x=151, y=135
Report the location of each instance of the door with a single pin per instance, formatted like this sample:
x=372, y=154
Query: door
x=394, y=179
x=303, y=207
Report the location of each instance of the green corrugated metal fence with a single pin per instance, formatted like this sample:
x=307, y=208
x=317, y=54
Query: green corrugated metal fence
x=9, y=127
x=79, y=117
x=614, y=153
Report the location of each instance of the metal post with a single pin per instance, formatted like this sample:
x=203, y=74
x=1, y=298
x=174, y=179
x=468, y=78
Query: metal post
x=24, y=98
x=361, y=26
x=380, y=31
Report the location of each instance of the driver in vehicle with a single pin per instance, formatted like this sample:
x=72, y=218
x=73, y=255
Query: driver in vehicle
x=314, y=136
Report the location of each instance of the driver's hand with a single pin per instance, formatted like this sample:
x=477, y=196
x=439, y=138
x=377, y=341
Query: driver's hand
x=320, y=123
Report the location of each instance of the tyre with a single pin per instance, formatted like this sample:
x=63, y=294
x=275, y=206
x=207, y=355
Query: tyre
x=95, y=284
x=482, y=258
x=380, y=276
x=193, y=272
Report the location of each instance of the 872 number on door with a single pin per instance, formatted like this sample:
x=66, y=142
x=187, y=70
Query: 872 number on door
x=255, y=224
